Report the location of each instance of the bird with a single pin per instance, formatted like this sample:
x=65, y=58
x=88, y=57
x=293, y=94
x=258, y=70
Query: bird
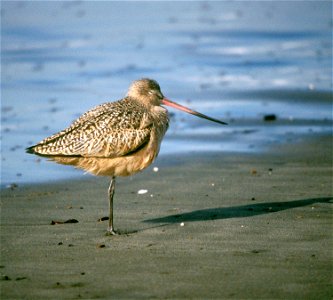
x=117, y=138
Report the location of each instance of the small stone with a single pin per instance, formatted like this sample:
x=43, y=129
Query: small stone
x=64, y=222
x=142, y=191
x=12, y=186
x=255, y=251
x=71, y=221
x=56, y=222
x=20, y=278
x=311, y=86
x=6, y=278
x=270, y=118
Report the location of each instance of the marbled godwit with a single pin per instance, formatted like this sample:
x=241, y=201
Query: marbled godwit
x=117, y=138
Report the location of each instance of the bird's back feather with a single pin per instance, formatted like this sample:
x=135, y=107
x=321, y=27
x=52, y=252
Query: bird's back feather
x=109, y=130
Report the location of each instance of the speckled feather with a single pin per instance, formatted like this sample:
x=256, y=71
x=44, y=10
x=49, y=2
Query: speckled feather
x=109, y=130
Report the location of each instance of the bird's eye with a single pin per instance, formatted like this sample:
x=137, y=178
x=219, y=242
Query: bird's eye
x=151, y=92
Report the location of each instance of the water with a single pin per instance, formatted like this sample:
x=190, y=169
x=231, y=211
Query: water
x=235, y=61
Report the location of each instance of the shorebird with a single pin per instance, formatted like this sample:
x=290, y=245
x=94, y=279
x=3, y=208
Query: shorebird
x=117, y=138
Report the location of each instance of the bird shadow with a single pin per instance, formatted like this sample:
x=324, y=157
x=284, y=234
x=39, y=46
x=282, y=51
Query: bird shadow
x=242, y=211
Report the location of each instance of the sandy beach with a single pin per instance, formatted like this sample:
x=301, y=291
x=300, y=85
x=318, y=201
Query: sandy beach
x=242, y=211
x=217, y=226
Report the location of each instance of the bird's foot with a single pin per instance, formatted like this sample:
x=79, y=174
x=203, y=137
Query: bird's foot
x=123, y=232
x=110, y=231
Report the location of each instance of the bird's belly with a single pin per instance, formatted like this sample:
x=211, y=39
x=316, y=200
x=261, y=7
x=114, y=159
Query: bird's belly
x=117, y=166
x=137, y=161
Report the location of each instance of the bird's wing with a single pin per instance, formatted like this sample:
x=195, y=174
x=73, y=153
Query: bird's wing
x=108, y=130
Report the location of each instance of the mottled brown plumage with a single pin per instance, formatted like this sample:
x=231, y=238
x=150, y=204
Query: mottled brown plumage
x=115, y=138
x=114, y=129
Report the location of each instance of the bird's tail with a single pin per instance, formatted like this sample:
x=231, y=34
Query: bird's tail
x=31, y=150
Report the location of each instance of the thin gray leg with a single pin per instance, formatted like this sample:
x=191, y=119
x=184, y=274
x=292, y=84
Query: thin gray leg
x=111, y=192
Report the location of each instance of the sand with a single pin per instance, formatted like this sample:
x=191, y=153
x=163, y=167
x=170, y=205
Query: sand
x=217, y=225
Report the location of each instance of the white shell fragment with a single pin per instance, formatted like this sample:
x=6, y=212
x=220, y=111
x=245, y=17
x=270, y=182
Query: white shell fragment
x=155, y=169
x=182, y=224
x=141, y=192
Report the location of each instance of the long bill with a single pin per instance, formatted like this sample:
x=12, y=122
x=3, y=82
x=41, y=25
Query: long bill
x=170, y=103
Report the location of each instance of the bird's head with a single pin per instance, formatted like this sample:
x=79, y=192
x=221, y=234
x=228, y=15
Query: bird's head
x=148, y=92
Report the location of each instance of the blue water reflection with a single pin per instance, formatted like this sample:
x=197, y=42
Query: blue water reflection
x=232, y=61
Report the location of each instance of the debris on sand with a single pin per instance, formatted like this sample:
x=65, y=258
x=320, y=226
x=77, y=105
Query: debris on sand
x=64, y=222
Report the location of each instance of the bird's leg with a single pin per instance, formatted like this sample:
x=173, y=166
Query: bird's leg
x=111, y=192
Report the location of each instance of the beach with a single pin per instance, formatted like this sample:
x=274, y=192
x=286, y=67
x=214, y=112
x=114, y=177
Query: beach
x=242, y=211
x=210, y=226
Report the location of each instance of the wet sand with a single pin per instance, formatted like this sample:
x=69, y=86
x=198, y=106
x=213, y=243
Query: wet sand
x=223, y=226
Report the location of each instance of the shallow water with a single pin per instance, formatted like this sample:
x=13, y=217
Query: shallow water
x=235, y=61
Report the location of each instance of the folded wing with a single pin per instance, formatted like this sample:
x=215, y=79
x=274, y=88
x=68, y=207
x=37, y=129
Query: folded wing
x=108, y=130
